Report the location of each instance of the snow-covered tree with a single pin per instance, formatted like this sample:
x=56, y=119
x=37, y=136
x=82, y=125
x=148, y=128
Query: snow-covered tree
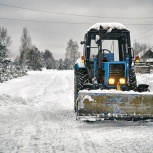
x=26, y=43
x=7, y=70
x=60, y=64
x=5, y=42
x=66, y=64
x=42, y=60
x=72, y=53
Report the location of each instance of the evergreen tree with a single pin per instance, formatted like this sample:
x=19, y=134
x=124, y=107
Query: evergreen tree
x=49, y=60
x=66, y=64
x=34, y=60
x=5, y=42
x=56, y=64
x=60, y=65
x=7, y=71
x=72, y=53
x=42, y=60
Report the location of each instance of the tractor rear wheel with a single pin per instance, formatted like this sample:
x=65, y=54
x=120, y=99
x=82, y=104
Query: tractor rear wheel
x=80, y=78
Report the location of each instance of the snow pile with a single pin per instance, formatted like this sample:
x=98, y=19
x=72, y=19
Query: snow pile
x=105, y=26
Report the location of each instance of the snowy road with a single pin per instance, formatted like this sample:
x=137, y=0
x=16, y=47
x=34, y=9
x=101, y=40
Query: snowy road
x=36, y=116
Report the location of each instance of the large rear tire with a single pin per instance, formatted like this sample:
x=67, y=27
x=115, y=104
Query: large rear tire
x=80, y=78
x=132, y=80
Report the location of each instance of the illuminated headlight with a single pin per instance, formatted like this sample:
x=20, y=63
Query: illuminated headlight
x=111, y=81
x=122, y=81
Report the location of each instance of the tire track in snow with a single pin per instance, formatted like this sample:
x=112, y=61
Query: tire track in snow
x=88, y=144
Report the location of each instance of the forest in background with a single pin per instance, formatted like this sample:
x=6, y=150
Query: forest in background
x=31, y=58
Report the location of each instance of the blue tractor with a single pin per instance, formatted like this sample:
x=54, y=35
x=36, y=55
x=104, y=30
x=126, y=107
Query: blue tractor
x=106, y=66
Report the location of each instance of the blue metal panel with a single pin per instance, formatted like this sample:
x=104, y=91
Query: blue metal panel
x=95, y=66
x=76, y=66
x=106, y=68
x=109, y=56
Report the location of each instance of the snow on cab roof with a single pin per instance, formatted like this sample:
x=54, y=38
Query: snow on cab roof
x=105, y=26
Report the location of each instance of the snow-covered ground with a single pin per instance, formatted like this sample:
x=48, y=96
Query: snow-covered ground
x=36, y=116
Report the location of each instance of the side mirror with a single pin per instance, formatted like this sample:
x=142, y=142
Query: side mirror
x=132, y=51
x=82, y=42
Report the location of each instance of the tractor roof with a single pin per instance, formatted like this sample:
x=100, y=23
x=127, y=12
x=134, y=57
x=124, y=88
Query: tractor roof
x=106, y=26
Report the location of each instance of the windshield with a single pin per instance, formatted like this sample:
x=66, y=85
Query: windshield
x=110, y=45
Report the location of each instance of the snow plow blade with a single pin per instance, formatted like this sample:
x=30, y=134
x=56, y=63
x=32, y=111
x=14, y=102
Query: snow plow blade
x=120, y=105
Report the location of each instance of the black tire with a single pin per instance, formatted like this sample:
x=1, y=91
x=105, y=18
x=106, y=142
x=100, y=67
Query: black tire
x=80, y=78
x=75, y=92
x=132, y=80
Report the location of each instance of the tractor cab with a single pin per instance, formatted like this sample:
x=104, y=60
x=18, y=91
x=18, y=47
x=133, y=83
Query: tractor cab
x=108, y=55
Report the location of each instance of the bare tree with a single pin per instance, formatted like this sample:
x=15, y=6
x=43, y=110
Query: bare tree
x=140, y=48
x=26, y=43
x=72, y=53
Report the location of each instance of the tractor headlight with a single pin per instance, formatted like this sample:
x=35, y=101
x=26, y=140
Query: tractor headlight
x=122, y=81
x=111, y=81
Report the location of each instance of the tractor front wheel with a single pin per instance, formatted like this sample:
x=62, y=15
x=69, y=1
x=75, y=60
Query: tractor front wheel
x=132, y=80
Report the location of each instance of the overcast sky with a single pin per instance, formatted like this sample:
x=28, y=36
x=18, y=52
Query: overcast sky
x=54, y=36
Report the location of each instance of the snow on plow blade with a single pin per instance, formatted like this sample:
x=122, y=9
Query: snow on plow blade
x=114, y=105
